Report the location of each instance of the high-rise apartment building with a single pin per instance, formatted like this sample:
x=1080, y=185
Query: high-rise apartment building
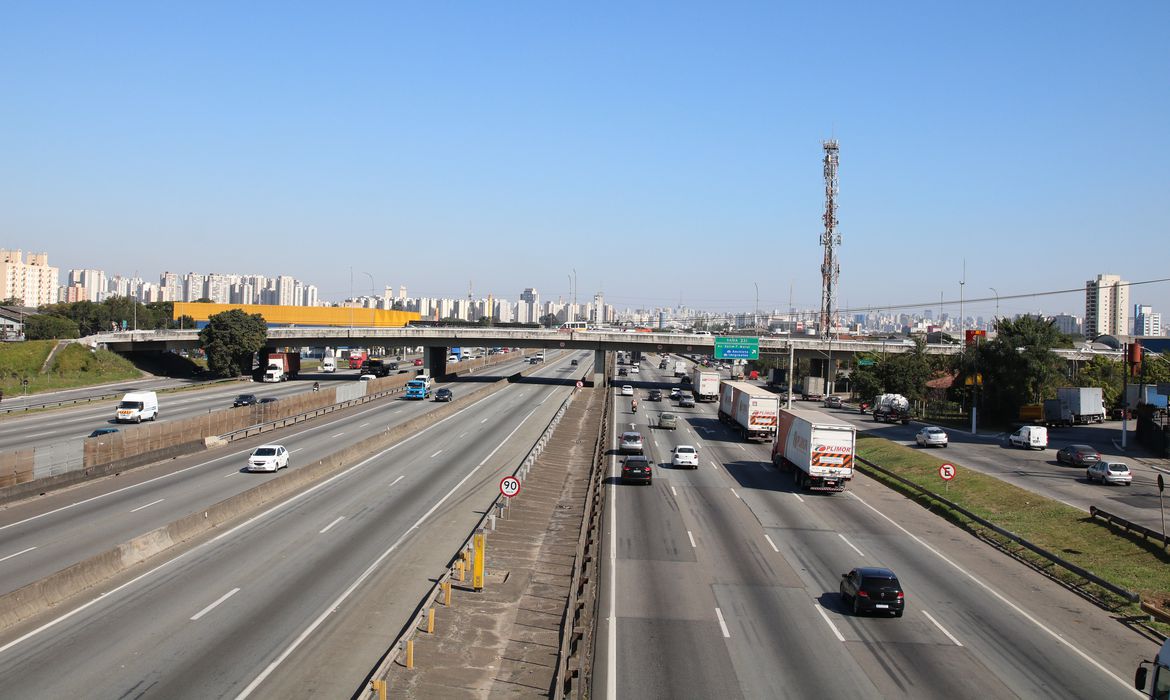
x=1067, y=324
x=1106, y=306
x=171, y=286
x=1145, y=321
x=194, y=287
x=30, y=280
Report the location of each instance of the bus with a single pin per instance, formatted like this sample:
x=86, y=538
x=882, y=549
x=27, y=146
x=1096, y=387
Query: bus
x=570, y=326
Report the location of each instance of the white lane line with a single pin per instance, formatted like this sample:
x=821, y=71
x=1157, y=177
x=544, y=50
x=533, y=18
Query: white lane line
x=692, y=539
x=942, y=629
x=722, y=624
x=829, y=622
x=17, y=554
x=436, y=454
x=714, y=466
x=671, y=490
x=211, y=607
x=461, y=436
x=743, y=448
x=611, y=632
x=483, y=421
x=148, y=505
x=336, y=436
x=231, y=473
x=798, y=497
x=400, y=478
x=297, y=450
x=979, y=582
x=363, y=425
x=398, y=411
x=733, y=493
x=322, y=532
x=774, y=547
x=855, y=549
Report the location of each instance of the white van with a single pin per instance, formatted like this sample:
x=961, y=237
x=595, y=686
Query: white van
x=1034, y=437
x=136, y=407
x=328, y=364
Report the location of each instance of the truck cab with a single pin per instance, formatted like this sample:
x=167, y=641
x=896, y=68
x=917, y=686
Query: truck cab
x=418, y=389
x=1160, y=666
x=328, y=364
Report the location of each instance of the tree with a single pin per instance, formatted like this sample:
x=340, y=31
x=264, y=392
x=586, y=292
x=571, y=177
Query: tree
x=230, y=339
x=548, y=320
x=1018, y=366
x=12, y=301
x=49, y=327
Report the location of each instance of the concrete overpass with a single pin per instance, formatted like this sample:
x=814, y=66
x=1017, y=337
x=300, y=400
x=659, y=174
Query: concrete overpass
x=438, y=340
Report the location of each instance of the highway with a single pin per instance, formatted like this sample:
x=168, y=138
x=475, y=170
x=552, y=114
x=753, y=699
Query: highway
x=302, y=598
x=722, y=582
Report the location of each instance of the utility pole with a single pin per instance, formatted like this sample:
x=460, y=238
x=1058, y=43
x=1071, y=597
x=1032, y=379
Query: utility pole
x=830, y=268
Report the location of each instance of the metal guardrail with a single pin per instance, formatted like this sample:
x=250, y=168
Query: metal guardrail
x=1129, y=526
x=55, y=404
x=1083, y=573
x=498, y=504
x=259, y=428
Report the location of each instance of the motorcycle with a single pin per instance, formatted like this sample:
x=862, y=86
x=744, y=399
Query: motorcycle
x=316, y=386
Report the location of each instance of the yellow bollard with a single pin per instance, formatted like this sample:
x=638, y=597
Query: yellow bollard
x=459, y=569
x=431, y=621
x=480, y=543
x=410, y=653
x=447, y=593
x=380, y=689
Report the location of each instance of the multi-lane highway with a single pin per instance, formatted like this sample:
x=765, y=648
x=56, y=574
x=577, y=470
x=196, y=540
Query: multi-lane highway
x=300, y=599
x=723, y=582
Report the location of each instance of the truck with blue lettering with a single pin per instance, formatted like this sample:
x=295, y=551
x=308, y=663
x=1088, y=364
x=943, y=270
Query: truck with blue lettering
x=418, y=389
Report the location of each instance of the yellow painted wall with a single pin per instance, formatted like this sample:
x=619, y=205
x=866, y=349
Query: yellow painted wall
x=303, y=315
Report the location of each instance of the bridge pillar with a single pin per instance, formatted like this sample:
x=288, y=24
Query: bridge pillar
x=436, y=361
x=599, y=368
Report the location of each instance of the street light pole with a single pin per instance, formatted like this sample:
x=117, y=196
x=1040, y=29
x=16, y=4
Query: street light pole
x=756, y=318
x=996, y=303
x=962, y=283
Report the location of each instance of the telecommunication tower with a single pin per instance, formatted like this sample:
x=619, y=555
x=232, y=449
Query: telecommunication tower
x=830, y=239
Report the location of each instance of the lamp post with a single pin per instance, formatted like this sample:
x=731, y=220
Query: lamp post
x=962, y=284
x=996, y=303
x=756, y=318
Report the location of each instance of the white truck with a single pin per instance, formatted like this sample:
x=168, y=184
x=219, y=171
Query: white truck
x=1160, y=668
x=818, y=448
x=329, y=364
x=705, y=384
x=1075, y=405
x=136, y=407
x=277, y=370
x=751, y=409
x=680, y=368
x=891, y=408
x=812, y=388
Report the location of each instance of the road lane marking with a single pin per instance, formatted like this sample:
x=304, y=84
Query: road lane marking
x=722, y=624
x=829, y=622
x=363, y=425
x=942, y=629
x=211, y=607
x=855, y=549
x=231, y=473
x=461, y=436
x=691, y=538
x=297, y=450
x=798, y=497
x=400, y=478
x=398, y=411
x=17, y=554
x=336, y=436
x=979, y=582
x=733, y=493
x=436, y=454
x=339, y=519
x=774, y=547
x=743, y=448
x=611, y=632
x=148, y=505
x=483, y=421
x=714, y=466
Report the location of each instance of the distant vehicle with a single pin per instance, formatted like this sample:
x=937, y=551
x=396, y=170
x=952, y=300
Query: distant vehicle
x=357, y=358
x=367, y=378
x=931, y=437
x=833, y=402
x=328, y=364
x=1075, y=406
x=705, y=383
x=1078, y=455
x=635, y=370
x=750, y=409
x=570, y=326
x=1110, y=473
x=668, y=421
x=680, y=368
x=267, y=458
x=136, y=407
x=636, y=468
x=623, y=372
x=280, y=366
x=1033, y=437
x=244, y=400
x=812, y=388
x=891, y=408
x=654, y=395
x=627, y=390
x=631, y=443
x=816, y=446
x=452, y=359
x=675, y=392
x=268, y=399
x=418, y=362
x=102, y=431
x=873, y=589
x=444, y=394
x=573, y=362
x=685, y=456
x=540, y=357
x=662, y=365
x=686, y=400
x=378, y=367
x=417, y=389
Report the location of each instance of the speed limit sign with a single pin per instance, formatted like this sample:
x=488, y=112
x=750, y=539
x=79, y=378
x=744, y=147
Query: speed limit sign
x=947, y=472
x=509, y=486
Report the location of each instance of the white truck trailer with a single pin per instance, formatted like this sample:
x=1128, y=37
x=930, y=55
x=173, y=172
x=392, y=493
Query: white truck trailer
x=750, y=408
x=705, y=384
x=680, y=368
x=817, y=447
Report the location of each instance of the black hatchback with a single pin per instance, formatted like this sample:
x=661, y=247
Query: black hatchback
x=244, y=400
x=444, y=394
x=655, y=395
x=873, y=589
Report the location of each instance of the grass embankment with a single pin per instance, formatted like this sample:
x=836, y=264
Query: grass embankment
x=74, y=366
x=1067, y=532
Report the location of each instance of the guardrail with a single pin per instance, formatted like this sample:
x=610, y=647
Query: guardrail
x=307, y=415
x=1128, y=526
x=498, y=507
x=1083, y=573
x=101, y=397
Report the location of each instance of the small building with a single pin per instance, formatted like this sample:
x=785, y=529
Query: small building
x=12, y=322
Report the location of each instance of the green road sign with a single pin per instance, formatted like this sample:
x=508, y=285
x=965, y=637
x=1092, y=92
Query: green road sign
x=737, y=348
x=864, y=362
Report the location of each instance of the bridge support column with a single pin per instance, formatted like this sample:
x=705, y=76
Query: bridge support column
x=436, y=361
x=599, y=368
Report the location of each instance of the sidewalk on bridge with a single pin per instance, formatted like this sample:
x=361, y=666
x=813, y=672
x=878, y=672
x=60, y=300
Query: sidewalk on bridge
x=504, y=641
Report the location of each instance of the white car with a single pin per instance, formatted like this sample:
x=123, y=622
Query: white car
x=267, y=458
x=931, y=437
x=631, y=443
x=627, y=390
x=1110, y=473
x=685, y=456
x=634, y=369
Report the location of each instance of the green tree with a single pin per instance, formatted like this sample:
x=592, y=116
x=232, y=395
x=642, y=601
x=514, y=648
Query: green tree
x=49, y=327
x=548, y=320
x=12, y=301
x=1104, y=372
x=1018, y=365
x=230, y=339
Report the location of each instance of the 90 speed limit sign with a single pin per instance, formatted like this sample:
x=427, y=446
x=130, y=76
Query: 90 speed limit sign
x=509, y=486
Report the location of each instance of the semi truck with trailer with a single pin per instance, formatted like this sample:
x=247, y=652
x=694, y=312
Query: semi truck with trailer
x=357, y=358
x=378, y=367
x=705, y=384
x=816, y=447
x=891, y=408
x=280, y=366
x=750, y=409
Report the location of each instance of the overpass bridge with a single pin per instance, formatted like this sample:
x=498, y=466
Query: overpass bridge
x=437, y=342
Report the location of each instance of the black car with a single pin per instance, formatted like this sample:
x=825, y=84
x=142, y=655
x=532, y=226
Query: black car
x=623, y=372
x=103, y=431
x=444, y=395
x=245, y=400
x=533, y=361
x=268, y=399
x=573, y=363
x=655, y=395
x=873, y=589
x=636, y=468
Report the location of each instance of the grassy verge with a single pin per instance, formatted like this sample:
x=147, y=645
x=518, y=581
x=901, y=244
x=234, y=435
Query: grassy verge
x=1065, y=531
x=74, y=366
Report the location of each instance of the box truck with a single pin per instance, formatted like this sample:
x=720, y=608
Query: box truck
x=750, y=408
x=680, y=368
x=705, y=384
x=812, y=388
x=1075, y=405
x=816, y=447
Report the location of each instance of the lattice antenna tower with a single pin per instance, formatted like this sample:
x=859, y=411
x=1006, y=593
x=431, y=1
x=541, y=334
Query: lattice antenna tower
x=830, y=239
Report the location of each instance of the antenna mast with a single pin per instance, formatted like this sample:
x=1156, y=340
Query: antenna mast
x=830, y=268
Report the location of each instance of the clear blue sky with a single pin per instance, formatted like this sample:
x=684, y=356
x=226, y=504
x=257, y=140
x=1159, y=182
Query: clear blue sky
x=663, y=151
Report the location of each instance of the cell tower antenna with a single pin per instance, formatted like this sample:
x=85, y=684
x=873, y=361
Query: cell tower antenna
x=830, y=239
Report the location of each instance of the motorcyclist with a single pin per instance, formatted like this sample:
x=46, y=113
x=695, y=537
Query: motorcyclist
x=634, y=405
x=316, y=386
